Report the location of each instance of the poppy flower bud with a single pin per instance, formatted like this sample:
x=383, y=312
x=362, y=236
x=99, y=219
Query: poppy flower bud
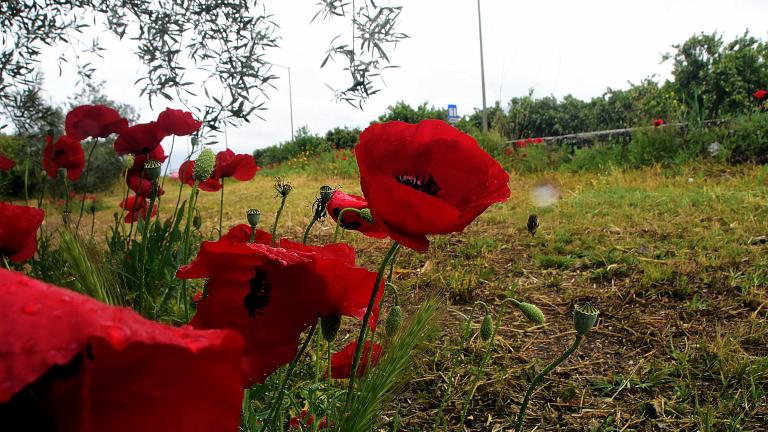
x=366, y=215
x=533, y=224
x=128, y=161
x=92, y=208
x=66, y=216
x=584, y=318
x=115, y=216
x=394, y=320
x=152, y=167
x=195, y=141
x=486, y=328
x=204, y=165
x=197, y=221
x=330, y=326
x=282, y=187
x=253, y=217
x=326, y=192
x=533, y=313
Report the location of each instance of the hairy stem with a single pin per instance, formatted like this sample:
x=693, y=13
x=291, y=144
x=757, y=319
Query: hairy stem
x=364, y=324
x=339, y=222
x=277, y=218
x=85, y=182
x=537, y=380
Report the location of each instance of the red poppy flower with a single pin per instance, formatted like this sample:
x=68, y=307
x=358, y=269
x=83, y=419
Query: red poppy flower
x=178, y=122
x=6, y=163
x=508, y=151
x=658, y=122
x=427, y=178
x=137, y=178
x=271, y=295
x=140, y=139
x=760, y=94
x=306, y=422
x=66, y=153
x=352, y=221
x=71, y=363
x=185, y=175
x=18, y=231
x=538, y=140
x=95, y=121
x=240, y=166
x=344, y=157
x=521, y=143
x=341, y=362
x=136, y=207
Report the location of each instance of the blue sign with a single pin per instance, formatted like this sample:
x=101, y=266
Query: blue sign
x=453, y=113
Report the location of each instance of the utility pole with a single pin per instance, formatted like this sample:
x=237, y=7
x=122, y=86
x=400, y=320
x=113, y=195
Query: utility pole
x=482, y=67
x=290, y=95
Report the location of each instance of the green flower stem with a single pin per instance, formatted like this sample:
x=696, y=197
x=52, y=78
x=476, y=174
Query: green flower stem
x=392, y=269
x=309, y=227
x=66, y=193
x=338, y=222
x=93, y=222
x=8, y=266
x=221, y=207
x=364, y=324
x=278, y=403
x=144, y=234
x=483, y=362
x=125, y=195
x=277, y=218
x=85, y=182
x=537, y=380
x=185, y=255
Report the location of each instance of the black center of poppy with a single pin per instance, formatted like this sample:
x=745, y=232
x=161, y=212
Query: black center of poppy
x=58, y=153
x=259, y=294
x=421, y=182
x=353, y=225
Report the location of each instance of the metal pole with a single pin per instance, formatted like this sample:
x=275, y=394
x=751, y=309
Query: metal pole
x=290, y=99
x=290, y=95
x=482, y=68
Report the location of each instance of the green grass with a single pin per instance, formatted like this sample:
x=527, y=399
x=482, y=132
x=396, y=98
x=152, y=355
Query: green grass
x=682, y=342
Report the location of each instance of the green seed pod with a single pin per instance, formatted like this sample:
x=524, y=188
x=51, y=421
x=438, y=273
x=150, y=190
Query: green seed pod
x=253, y=217
x=330, y=327
x=325, y=194
x=204, y=165
x=366, y=215
x=152, y=167
x=486, y=328
x=394, y=320
x=584, y=318
x=533, y=313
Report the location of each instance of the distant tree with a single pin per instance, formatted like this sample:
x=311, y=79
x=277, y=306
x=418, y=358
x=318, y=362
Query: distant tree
x=403, y=112
x=718, y=78
x=217, y=46
x=342, y=137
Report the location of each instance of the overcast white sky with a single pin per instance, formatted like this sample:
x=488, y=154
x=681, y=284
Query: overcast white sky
x=552, y=46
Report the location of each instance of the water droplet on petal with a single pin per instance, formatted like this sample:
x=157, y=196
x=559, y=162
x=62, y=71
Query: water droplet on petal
x=544, y=195
x=32, y=308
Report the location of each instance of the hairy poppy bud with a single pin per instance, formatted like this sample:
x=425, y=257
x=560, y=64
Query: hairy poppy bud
x=282, y=187
x=128, y=161
x=253, y=217
x=366, y=215
x=330, y=327
x=115, y=216
x=66, y=216
x=533, y=224
x=486, y=328
x=394, y=320
x=197, y=221
x=204, y=165
x=325, y=194
x=92, y=208
x=584, y=318
x=533, y=313
x=152, y=167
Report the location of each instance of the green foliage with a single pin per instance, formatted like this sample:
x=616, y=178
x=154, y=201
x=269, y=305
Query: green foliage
x=717, y=77
x=403, y=112
x=342, y=138
x=381, y=383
